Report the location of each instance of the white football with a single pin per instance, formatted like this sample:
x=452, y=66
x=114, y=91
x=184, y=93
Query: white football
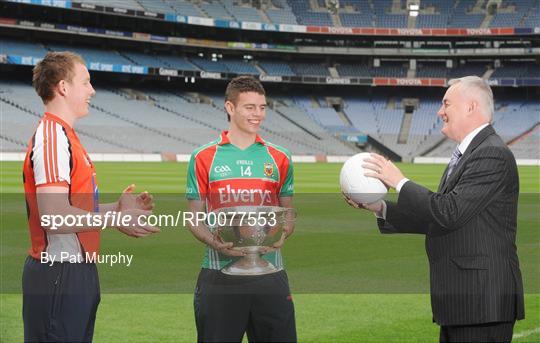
x=359, y=188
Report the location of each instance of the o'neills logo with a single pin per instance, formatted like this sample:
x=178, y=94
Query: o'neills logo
x=210, y=75
x=270, y=78
x=250, y=196
x=409, y=82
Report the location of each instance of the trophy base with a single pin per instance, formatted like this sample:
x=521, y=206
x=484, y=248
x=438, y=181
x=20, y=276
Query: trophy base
x=251, y=264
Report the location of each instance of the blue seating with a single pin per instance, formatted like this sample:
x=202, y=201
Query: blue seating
x=240, y=67
x=12, y=47
x=354, y=69
x=93, y=55
x=306, y=16
x=177, y=62
x=312, y=69
x=390, y=69
x=215, y=9
x=516, y=70
x=211, y=66
x=431, y=70
x=276, y=68
x=478, y=69
x=356, y=19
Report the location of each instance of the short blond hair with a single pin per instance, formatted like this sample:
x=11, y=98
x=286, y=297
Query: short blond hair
x=478, y=84
x=53, y=68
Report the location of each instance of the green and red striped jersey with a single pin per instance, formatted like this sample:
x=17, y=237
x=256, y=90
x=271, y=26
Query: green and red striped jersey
x=224, y=175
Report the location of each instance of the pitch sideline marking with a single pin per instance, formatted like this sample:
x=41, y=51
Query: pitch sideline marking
x=526, y=333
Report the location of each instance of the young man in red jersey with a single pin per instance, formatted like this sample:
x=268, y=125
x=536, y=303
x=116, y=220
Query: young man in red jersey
x=241, y=162
x=60, y=285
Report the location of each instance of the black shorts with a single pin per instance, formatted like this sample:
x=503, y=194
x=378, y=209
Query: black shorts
x=59, y=301
x=228, y=306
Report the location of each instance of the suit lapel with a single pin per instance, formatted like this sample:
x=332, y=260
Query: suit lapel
x=479, y=138
x=443, y=179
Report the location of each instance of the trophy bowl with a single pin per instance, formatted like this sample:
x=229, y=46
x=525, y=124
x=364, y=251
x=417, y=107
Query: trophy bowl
x=251, y=229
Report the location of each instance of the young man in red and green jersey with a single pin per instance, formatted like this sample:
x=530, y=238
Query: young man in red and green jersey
x=238, y=169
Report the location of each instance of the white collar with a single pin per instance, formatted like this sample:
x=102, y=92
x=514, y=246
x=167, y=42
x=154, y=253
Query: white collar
x=462, y=147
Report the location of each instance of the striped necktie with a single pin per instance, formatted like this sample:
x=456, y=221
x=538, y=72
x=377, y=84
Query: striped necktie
x=456, y=155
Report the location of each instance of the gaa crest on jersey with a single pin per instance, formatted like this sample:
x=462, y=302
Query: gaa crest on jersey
x=268, y=169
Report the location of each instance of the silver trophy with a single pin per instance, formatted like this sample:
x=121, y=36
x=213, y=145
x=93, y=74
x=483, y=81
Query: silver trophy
x=251, y=229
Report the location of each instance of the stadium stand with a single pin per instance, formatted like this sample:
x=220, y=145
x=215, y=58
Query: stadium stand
x=516, y=69
x=243, y=13
x=92, y=55
x=304, y=68
x=388, y=68
x=469, y=68
x=145, y=59
x=354, y=69
x=13, y=47
x=323, y=115
x=385, y=17
x=434, y=13
x=356, y=13
x=280, y=12
x=276, y=68
x=352, y=13
x=391, y=69
x=177, y=122
x=150, y=60
x=177, y=62
x=158, y=6
x=240, y=67
x=182, y=120
x=306, y=16
x=215, y=9
x=186, y=8
x=129, y=4
x=528, y=146
x=208, y=65
x=431, y=69
x=463, y=17
x=532, y=18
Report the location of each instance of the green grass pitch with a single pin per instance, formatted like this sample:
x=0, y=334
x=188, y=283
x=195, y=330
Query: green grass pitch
x=349, y=283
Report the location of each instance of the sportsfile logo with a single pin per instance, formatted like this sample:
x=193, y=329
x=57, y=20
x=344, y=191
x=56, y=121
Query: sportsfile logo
x=250, y=196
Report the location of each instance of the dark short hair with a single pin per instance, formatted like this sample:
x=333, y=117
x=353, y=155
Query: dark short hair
x=242, y=84
x=53, y=68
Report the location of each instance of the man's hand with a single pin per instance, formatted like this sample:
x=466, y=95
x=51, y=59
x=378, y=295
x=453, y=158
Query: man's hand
x=136, y=206
x=128, y=200
x=134, y=227
x=224, y=248
x=383, y=169
x=375, y=207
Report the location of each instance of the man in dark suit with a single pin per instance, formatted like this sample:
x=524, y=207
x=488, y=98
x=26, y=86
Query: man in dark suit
x=469, y=223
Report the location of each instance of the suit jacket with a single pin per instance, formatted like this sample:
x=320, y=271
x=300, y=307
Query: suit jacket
x=470, y=227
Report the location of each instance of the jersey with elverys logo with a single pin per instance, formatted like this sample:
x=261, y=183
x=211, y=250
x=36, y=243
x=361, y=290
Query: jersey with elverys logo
x=224, y=175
